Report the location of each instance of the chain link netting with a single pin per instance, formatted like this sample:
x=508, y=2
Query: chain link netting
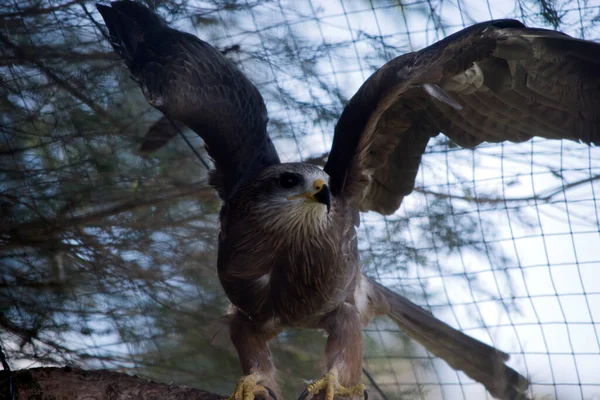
x=502, y=242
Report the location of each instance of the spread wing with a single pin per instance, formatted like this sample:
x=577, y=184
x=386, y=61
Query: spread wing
x=193, y=84
x=492, y=82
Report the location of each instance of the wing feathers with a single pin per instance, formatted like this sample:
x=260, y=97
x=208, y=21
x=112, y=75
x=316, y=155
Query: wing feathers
x=193, y=84
x=438, y=93
x=159, y=134
x=493, y=82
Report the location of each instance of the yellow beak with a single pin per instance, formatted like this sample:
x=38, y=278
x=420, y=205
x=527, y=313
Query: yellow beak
x=320, y=194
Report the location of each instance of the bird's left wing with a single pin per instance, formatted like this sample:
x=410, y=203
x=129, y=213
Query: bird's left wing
x=193, y=84
x=492, y=82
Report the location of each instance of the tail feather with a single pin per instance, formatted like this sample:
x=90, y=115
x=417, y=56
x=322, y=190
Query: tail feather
x=481, y=362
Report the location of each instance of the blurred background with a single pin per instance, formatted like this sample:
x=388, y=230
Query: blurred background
x=107, y=257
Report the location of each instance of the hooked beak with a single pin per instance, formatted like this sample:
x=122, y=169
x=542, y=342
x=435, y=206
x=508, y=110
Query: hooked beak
x=321, y=194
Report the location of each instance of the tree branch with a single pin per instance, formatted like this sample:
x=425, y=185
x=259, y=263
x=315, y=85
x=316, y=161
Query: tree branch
x=63, y=83
x=35, y=10
x=41, y=230
x=79, y=384
x=545, y=196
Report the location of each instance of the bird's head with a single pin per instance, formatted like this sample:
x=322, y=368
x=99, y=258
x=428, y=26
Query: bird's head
x=292, y=194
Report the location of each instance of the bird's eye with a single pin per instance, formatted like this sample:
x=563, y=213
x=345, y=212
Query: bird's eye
x=288, y=181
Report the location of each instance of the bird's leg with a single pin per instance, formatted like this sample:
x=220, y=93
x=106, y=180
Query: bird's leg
x=250, y=342
x=344, y=351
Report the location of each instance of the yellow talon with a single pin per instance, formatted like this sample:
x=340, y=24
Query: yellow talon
x=356, y=391
x=248, y=388
x=331, y=385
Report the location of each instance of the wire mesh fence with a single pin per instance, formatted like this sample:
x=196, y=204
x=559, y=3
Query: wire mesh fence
x=501, y=242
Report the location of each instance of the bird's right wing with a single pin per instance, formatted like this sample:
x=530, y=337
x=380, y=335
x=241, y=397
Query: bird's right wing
x=193, y=84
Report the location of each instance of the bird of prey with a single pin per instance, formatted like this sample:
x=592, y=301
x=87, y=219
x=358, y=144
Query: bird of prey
x=288, y=252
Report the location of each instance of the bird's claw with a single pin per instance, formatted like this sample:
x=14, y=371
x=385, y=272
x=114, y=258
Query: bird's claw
x=248, y=388
x=330, y=385
x=272, y=394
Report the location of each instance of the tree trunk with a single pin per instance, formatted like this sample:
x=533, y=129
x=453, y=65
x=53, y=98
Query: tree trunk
x=78, y=384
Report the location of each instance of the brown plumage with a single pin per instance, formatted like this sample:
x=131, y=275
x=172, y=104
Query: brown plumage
x=288, y=252
x=510, y=82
